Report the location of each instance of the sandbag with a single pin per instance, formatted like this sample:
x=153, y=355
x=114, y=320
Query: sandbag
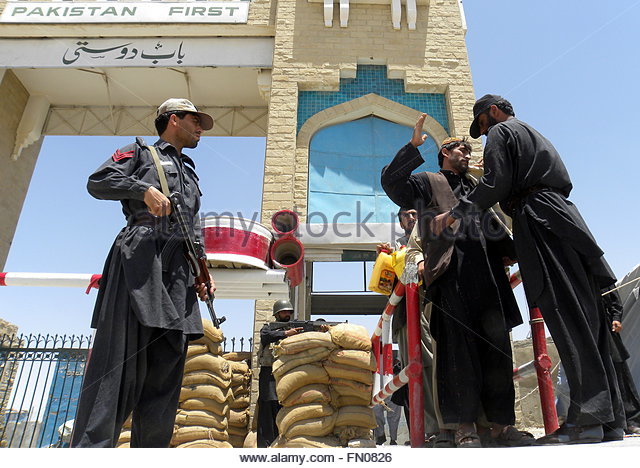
x=239, y=392
x=299, y=377
x=288, y=416
x=238, y=367
x=237, y=356
x=201, y=418
x=195, y=349
x=210, y=363
x=316, y=393
x=237, y=441
x=339, y=401
x=350, y=336
x=206, y=444
x=237, y=431
x=306, y=442
x=191, y=433
x=318, y=427
x=348, y=433
x=286, y=362
x=251, y=441
x=355, y=358
x=303, y=341
x=240, y=402
x=211, y=332
x=239, y=418
x=205, y=377
x=341, y=371
x=346, y=387
x=361, y=416
x=240, y=379
x=210, y=392
x=361, y=443
x=214, y=348
x=212, y=406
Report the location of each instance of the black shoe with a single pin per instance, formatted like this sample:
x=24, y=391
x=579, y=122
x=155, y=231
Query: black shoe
x=567, y=434
x=611, y=435
x=393, y=442
x=381, y=440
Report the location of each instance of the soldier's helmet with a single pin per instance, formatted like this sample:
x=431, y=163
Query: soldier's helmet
x=280, y=305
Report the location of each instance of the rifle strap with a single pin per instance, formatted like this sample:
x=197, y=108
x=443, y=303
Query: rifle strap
x=161, y=175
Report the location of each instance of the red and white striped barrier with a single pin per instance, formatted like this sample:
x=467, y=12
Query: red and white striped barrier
x=230, y=283
x=55, y=280
x=382, y=343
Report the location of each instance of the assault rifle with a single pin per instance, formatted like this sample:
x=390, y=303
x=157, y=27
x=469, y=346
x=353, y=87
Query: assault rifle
x=306, y=325
x=195, y=254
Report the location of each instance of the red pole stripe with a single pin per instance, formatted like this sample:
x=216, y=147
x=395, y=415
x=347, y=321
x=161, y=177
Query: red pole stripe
x=416, y=391
x=387, y=358
x=3, y=281
x=543, y=369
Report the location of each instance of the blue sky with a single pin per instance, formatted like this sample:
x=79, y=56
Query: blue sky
x=569, y=68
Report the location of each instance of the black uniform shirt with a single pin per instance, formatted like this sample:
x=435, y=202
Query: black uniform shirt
x=146, y=269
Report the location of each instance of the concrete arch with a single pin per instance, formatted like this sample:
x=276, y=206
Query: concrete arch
x=370, y=104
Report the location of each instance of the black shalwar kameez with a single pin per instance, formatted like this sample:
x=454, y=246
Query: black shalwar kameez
x=146, y=309
x=562, y=267
x=473, y=305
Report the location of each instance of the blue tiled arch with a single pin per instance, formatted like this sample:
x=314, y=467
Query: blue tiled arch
x=372, y=79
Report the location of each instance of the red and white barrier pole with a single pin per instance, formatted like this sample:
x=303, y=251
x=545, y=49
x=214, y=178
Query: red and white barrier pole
x=543, y=369
x=57, y=280
x=416, y=391
x=542, y=363
x=381, y=340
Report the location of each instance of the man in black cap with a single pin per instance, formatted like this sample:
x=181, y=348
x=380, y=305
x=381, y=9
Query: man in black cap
x=146, y=309
x=268, y=405
x=563, y=269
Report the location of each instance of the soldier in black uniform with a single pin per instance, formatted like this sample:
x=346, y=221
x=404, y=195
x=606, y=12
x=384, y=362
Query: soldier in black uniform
x=268, y=405
x=147, y=309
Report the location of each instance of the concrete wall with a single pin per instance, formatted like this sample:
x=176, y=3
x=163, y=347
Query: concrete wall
x=14, y=175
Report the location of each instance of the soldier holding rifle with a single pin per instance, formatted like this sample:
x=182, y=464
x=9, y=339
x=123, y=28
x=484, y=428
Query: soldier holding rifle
x=147, y=309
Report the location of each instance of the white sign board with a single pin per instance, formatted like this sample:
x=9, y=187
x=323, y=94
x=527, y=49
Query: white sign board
x=126, y=12
x=137, y=52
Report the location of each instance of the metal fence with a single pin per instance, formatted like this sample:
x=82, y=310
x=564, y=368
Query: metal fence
x=40, y=382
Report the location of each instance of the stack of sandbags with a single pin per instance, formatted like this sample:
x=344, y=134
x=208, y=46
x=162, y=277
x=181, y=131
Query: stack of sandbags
x=307, y=418
x=202, y=417
x=239, y=398
x=350, y=369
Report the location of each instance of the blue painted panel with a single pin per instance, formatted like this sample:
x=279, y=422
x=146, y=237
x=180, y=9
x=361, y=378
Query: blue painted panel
x=372, y=79
x=345, y=162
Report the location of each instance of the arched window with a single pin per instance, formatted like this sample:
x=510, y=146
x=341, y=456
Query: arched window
x=345, y=161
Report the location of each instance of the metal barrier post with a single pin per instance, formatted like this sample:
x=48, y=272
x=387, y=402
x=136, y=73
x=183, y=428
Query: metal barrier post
x=416, y=391
x=543, y=369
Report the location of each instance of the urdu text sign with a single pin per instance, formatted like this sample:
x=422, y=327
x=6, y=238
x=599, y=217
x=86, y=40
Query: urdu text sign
x=129, y=12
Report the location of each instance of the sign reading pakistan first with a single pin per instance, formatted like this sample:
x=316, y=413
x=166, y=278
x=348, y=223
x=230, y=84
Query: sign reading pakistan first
x=130, y=12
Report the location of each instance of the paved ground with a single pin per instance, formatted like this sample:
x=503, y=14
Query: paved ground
x=629, y=441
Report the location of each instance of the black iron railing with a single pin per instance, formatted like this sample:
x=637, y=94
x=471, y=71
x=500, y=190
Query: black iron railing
x=40, y=382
